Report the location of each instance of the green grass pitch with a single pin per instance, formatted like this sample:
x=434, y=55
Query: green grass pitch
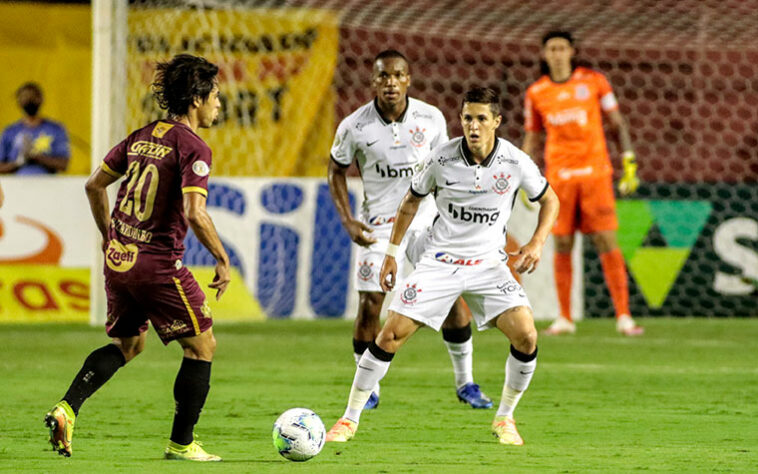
x=682, y=398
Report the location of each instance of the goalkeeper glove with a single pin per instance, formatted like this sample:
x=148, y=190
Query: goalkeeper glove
x=629, y=182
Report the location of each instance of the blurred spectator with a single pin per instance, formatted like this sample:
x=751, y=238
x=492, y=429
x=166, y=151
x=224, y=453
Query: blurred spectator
x=33, y=145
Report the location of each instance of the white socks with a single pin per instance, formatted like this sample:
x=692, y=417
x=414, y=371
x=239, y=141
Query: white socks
x=461, y=354
x=357, y=357
x=369, y=372
x=518, y=374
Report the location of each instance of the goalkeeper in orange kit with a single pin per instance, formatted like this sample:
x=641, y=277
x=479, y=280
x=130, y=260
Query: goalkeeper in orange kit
x=567, y=102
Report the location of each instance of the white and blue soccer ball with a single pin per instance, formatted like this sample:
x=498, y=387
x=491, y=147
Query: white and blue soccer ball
x=299, y=434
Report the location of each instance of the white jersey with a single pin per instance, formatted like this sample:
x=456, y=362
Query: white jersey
x=388, y=154
x=474, y=201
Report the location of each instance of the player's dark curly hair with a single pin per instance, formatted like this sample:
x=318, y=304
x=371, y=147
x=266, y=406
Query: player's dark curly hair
x=482, y=95
x=183, y=79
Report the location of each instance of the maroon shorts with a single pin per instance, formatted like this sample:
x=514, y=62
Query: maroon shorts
x=176, y=307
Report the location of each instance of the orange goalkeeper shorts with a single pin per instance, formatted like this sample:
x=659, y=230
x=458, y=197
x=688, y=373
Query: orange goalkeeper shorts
x=587, y=205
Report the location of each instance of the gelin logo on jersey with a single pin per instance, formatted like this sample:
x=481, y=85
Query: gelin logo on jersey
x=489, y=216
x=119, y=257
x=656, y=267
x=502, y=183
x=410, y=294
x=418, y=139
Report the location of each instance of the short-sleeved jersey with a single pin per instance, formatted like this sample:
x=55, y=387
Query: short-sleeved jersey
x=161, y=162
x=48, y=138
x=571, y=114
x=474, y=201
x=388, y=154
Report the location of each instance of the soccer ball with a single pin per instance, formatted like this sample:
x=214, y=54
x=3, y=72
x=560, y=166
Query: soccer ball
x=299, y=434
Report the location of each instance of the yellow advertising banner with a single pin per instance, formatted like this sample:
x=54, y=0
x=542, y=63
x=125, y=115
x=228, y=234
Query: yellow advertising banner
x=276, y=69
x=50, y=293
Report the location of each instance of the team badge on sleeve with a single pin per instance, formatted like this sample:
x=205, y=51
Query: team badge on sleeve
x=201, y=168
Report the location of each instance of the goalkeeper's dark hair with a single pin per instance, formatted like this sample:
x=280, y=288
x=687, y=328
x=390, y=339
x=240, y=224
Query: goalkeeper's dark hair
x=392, y=53
x=182, y=80
x=482, y=95
x=544, y=68
x=558, y=34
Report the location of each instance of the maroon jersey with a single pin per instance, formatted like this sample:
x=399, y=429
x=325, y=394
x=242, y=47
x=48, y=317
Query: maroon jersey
x=161, y=162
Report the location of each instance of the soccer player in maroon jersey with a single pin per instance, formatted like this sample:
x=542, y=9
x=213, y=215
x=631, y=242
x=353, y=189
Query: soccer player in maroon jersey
x=166, y=167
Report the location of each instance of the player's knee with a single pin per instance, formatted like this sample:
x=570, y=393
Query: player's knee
x=564, y=245
x=202, y=348
x=604, y=241
x=389, y=340
x=208, y=348
x=525, y=340
x=370, y=307
x=130, y=349
x=458, y=317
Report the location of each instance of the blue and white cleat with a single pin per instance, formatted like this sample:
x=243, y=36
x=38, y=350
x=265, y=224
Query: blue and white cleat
x=471, y=394
x=372, y=402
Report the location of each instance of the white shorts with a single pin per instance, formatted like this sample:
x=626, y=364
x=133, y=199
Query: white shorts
x=369, y=260
x=428, y=293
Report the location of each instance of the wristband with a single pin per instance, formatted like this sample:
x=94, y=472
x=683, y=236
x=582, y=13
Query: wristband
x=391, y=250
x=628, y=156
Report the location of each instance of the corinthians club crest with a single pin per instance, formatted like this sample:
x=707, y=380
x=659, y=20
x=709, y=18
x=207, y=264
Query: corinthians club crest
x=418, y=139
x=410, y=294
x=365, y=270
x=501, y=184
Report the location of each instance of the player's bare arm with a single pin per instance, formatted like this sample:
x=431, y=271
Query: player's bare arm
x=621, y=128
x=98, y=201
x=531, y=142
x=202, y=226
x=628, y=183
x=529, y=255
x=337, y=177
x=405, y=214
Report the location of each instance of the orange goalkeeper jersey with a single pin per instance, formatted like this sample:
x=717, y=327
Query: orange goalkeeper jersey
x=571, y=114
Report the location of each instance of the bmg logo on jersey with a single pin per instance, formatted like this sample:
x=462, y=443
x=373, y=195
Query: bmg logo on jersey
x=488, y=216
x=390, y=172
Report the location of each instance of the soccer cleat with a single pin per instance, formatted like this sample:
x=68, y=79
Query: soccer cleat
x=471, y=394
x=625, y=325
x=342, y=431
x=372, y=402
x=60, y=420
x=504, y=428
x=560, y=326
x=191, y=452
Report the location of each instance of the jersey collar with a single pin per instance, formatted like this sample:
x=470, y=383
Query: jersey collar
x=468, y=157
x=400, y=119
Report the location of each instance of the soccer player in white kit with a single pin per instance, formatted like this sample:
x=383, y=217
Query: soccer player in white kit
x=474, y=180
x=389, y=137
